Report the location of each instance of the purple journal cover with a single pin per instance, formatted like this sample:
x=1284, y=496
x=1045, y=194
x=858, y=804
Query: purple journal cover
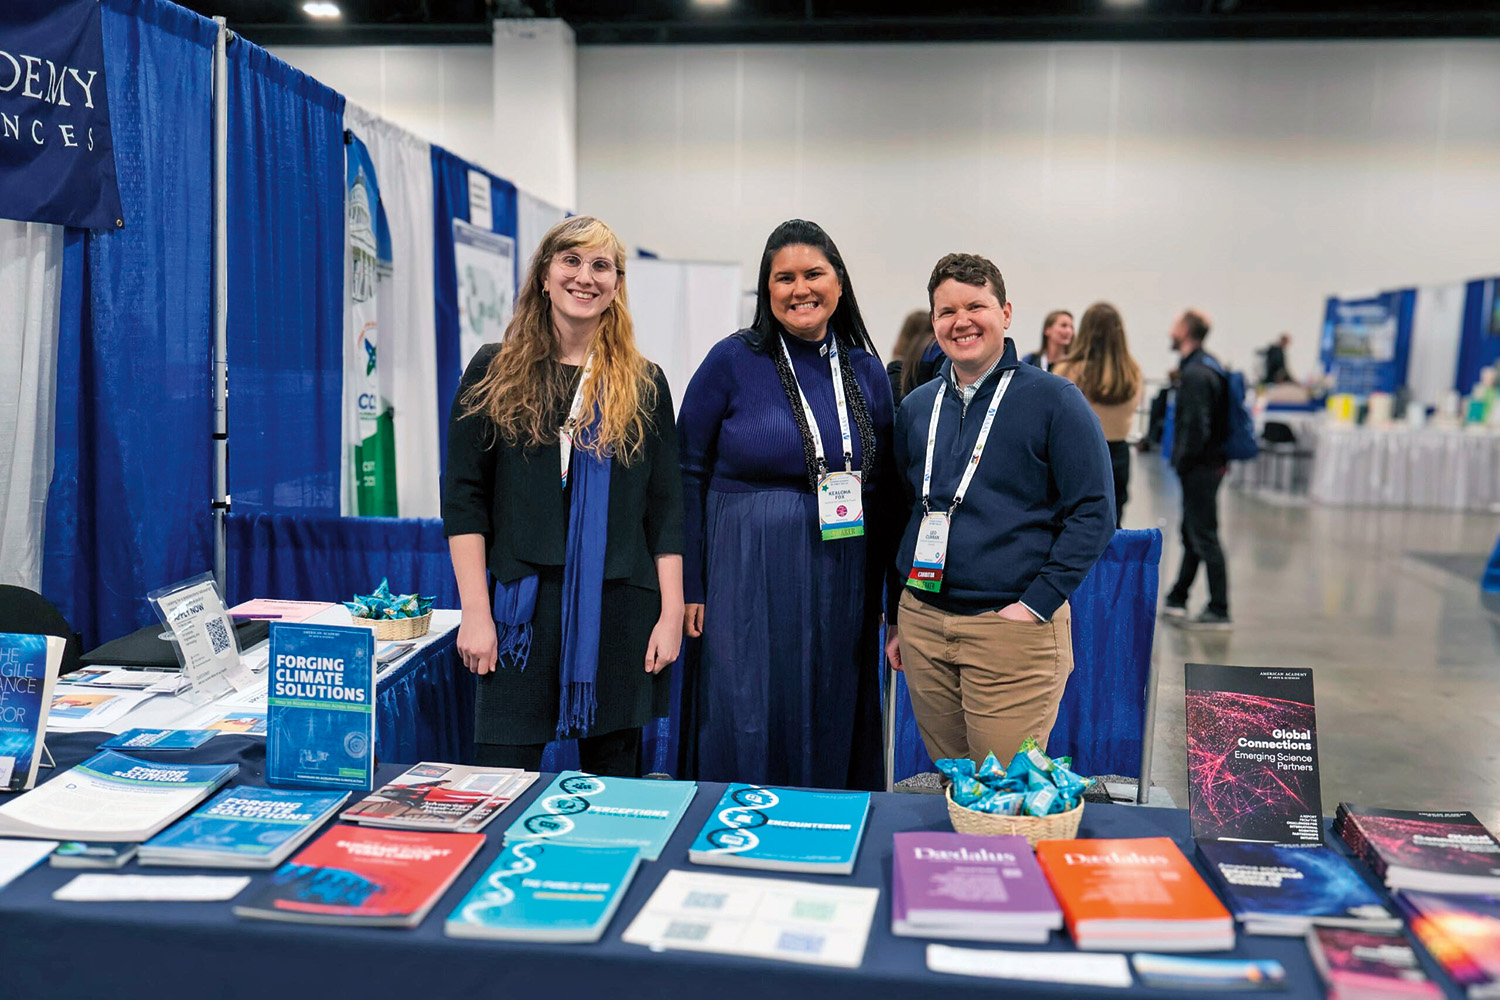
x=967, y=873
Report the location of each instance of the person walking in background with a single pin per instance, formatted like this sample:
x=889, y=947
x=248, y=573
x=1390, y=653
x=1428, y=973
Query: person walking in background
x=1099, y=363
x=916, y=356
x=1199, y=431
x=1276, y=369
x=562, y=504
x=1006, y=479
x=1057, y=334
x=786, y=434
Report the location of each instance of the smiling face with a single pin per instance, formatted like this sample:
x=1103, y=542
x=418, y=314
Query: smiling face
x=581, y=283
x=1059, y=335
x=804, y=291
x=970, y=323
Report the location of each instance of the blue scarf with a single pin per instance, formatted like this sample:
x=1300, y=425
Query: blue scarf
x=582, y=597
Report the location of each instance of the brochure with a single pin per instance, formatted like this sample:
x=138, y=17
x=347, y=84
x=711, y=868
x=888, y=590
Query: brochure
x=243, y=828
x=435, y=796
x=1357, y=964
x=1432, y=851
x=1462, y=932
x=28, y=671
x=970, y=887
x=540, y=891
x=92, y=854
x=591, y=811
x=159, y=739
x=783, y=829
x=1273, y=889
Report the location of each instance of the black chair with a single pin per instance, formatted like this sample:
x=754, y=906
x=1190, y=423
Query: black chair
x=1282, y=450
x=28, y=613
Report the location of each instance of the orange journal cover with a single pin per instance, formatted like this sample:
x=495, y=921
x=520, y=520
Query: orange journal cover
x=1139, y=879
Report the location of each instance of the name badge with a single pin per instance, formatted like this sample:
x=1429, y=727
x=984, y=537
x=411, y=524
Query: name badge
x=841, y=506
x=931, y=553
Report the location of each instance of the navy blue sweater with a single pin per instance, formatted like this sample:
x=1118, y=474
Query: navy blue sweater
x=1041, y=508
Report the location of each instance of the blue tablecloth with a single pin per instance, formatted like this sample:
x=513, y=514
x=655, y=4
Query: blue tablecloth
x=424, y=708
x=165, y=951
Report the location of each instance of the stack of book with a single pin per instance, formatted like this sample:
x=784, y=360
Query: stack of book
x=589, y=811
x=1425, y=851
x=1462, y=933
x=536, y=891
x=368, y=878
x=783, y=829
x=243, y=828
x=969, y=887
x=1139, y=894
x=1365, y=965
x=445, y=797
x=1276, y=889
x=112, y=797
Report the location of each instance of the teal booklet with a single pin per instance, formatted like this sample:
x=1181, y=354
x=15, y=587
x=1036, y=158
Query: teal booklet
x=542, y=891
x=320, y=706
x=784, y=830
x=590, y=811
x=243, y=827
x=159, y=739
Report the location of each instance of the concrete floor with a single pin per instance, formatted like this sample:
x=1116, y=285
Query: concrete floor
x=1406, y=655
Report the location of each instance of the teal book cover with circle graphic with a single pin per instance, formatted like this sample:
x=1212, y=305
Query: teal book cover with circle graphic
x=541, y=891
x=590, y=811
x=783, y=829
x=320, y=706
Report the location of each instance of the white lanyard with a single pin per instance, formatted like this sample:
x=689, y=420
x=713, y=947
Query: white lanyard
x=984, y=436
x=838, y=401
x=570, y=427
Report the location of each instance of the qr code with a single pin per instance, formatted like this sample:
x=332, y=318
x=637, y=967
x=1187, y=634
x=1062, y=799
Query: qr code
x=678, y=930
x=218, y=635
x=704, y=901
x=802, y=944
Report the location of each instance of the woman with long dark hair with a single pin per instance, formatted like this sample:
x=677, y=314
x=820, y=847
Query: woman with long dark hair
x=1099, y=363
x=786, y=472
x=562, y=505
x=915, y=357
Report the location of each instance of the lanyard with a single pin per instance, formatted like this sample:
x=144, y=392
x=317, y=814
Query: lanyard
x=984, y=436
x=838, y=401
x=569, y=428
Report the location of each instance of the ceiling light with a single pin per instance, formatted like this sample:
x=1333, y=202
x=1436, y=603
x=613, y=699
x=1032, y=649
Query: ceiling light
x=711, y=3
x=1124, y=3
x=316, y=9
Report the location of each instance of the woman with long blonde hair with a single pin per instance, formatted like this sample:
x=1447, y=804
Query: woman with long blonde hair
x=1099, y=363
x=562, y=504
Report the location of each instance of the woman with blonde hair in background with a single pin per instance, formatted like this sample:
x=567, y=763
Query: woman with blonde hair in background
x=916, y=356
x=1099, y=363
x=562, y=504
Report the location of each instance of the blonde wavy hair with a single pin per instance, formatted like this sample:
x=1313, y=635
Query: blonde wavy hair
x=522, y=390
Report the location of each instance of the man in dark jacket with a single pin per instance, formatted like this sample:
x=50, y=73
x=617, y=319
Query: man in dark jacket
x=1199, y=432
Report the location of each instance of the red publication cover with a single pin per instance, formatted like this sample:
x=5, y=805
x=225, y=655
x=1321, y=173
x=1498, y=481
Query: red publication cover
x=356, y=875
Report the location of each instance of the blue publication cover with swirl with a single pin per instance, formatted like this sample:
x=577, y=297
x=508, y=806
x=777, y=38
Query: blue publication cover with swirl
x=541, y=891
x=591, y=811
x=783, y=829
x=320, y=706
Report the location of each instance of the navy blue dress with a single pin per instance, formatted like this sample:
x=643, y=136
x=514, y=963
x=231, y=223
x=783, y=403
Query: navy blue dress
x=784, y=686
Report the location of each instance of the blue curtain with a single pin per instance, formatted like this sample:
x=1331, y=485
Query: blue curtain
x=128, y=507
x=1478, y=345
x=450, y=200
x=286, y=285
x=1099, y=723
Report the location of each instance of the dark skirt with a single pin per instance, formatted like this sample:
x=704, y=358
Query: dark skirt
x=786, y=686
x=520, y=706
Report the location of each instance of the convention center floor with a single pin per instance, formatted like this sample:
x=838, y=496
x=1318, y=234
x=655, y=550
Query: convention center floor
x=1384, y=605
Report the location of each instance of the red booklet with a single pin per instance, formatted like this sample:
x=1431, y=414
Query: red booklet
x=371, y=877
x=1125, y=894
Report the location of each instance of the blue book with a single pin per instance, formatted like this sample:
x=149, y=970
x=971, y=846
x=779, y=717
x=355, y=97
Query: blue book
x=784, y=830
x=243, y=828
x=159, y=739
x=28, y=670
x=589, y=811
x=1284, y=890
x=320, y=706
x=542, y=891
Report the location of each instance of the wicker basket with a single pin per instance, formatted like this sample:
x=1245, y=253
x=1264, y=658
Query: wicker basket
x=1058, y=826
x=396, y=629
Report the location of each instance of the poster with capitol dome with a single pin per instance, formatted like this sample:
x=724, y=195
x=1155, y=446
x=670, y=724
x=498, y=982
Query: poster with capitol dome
x=486, y=267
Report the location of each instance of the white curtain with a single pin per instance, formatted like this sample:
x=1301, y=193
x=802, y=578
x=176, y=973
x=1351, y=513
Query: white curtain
x=403, y=169
x=681, y=309
x=1437, y=327
x=30, y=294
x=533, y=218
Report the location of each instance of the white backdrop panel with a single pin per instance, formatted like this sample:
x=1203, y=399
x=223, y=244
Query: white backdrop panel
x=681, y=309
x=1436, y=329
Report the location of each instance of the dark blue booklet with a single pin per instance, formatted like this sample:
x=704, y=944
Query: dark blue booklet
x=1276, y=889
x=320, y=706
x=243, y=827
x=28, y=670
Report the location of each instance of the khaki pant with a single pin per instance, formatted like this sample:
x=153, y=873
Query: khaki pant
x=982, y=683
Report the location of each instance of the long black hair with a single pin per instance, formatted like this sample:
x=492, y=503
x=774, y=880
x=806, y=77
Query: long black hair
x=848, y=328
x=847, y=323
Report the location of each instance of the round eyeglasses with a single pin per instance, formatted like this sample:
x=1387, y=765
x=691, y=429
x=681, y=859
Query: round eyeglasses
x=602, y=268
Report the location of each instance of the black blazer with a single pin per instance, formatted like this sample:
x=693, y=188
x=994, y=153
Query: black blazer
x=512, y=494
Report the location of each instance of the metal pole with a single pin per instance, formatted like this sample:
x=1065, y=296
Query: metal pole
x=221, y=305
x=1148, y=732
x=890, y=728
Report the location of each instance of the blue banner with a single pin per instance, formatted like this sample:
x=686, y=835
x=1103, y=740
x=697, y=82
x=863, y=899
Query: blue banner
x=57, y=162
